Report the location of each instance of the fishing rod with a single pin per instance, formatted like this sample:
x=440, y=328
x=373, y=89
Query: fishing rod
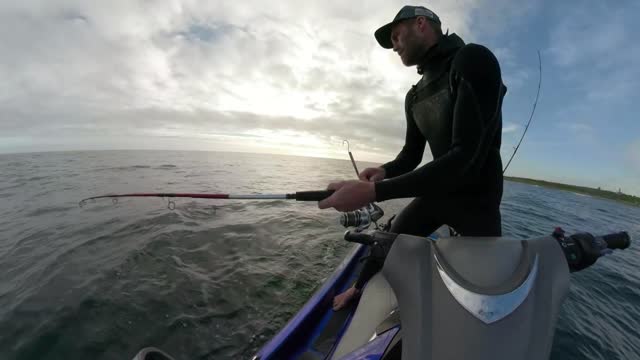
x=535, y=104
x=315, y=195
x=298, y=196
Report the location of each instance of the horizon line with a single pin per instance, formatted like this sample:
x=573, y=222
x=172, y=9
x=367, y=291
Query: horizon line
x=266, y=153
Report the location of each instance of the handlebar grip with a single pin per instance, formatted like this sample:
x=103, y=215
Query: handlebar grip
x=364, y=238
x=620, y=240
x=583, y=249
x=313, y=195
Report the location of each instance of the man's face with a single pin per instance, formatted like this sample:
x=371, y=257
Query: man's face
x=408, y=42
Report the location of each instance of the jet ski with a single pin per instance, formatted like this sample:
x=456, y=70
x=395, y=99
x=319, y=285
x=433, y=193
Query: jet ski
x=440, y=297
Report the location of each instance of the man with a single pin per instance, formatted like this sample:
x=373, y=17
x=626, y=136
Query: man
x=456, y=108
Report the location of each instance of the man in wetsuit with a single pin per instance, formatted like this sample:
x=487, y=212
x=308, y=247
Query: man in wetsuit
x=456, y=108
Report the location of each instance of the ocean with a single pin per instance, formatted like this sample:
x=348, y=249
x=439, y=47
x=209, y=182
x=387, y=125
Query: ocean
x=216, y=279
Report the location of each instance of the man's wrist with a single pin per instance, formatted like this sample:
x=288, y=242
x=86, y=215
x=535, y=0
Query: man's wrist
x=372, y=190
x=384, y=169
x=383, y=190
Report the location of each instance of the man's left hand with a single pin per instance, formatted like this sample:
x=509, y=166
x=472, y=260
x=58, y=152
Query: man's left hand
x=349, y=195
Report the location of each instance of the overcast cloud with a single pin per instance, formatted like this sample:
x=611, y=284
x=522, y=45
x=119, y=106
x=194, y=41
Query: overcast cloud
x=217, y=71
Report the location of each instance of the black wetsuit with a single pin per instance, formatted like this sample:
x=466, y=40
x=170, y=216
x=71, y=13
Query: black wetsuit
x=456, y=108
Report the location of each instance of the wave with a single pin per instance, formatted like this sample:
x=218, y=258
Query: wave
x=45, y=210
x=124, y=168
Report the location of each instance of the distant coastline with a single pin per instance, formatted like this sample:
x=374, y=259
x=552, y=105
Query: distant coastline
x=625, y=198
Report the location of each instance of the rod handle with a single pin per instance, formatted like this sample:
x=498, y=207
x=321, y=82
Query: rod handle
x=313, y=195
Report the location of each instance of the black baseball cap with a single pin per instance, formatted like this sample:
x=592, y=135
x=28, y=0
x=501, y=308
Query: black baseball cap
x=383, y=35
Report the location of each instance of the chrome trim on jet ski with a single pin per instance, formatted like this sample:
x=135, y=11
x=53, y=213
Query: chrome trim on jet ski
x=489, y=308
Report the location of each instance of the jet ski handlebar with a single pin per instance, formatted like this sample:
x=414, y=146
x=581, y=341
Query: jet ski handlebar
x=581, y=250
x=620, y=240
x=370, y=237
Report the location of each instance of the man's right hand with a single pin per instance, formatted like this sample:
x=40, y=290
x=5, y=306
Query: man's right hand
x=372, y=174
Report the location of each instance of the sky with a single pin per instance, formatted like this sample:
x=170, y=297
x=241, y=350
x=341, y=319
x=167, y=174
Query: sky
x=297, y=78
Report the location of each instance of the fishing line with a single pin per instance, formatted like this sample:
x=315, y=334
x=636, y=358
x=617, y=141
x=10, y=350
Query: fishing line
x=535, y=104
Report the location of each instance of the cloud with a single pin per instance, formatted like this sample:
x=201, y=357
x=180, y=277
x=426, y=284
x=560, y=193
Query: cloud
x=153, y=69
x=593, y=53
x=492, y=17
x=377, y=135
x=582, y=132
x=576, y=127
x=241, y=74
x=508, y=127
x=570, y=45
x=514, y=75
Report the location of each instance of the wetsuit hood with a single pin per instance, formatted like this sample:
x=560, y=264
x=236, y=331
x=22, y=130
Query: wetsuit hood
x=446, y=46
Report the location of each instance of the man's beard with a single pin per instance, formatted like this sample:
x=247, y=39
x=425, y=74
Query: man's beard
x=414, y=51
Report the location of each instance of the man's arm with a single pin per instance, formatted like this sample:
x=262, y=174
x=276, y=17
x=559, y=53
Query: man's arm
x=479, y=90
x=413, y=149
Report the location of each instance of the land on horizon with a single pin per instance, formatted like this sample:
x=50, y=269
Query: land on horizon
x=605, y=194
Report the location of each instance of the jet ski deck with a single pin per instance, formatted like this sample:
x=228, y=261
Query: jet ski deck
x=314, y=331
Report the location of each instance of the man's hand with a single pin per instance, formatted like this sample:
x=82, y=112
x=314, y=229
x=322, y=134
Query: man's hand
x=372, y=174
x=350, y=195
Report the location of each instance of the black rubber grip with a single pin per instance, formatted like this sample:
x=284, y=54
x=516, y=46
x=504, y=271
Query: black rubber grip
x=365, y=238
x=620, y=240
x=313, y=195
